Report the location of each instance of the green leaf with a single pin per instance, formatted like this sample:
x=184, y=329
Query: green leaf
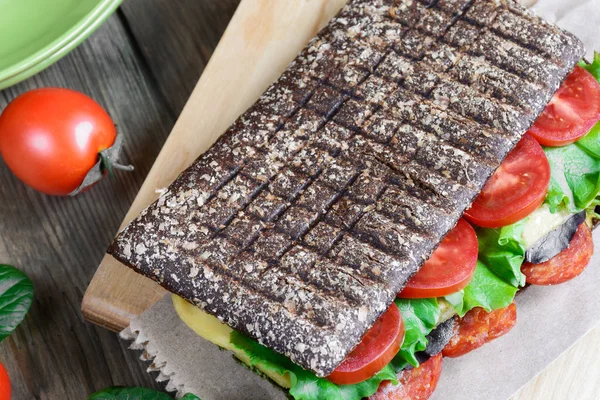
x=590, y=143
x=485, y=290
x=305, y=384
x=189, y=396
x=420, y=317
x=594, y=67
x=16, y=296
x=131, y=393
x=503, y=251
x=575, y=177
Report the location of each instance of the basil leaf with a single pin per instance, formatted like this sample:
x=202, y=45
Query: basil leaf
x=485, y=290
x=305, y=384
x=420, y=317
x=189, y=396
x=131, y=393
x=16, y=296
x=503, y=251
x=575, y=178
x=594, y=67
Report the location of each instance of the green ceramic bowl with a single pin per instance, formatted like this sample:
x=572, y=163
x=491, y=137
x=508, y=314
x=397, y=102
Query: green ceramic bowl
x=36, y=33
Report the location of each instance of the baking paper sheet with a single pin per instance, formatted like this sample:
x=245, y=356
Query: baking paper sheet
x=190, y=363
x=551, y=319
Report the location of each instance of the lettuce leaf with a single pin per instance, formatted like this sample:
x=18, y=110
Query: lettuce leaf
x=594, y=67
x=486, y=290
x=503, y=251
x=305, y=384
x=590, y=143
x=420, y=317
x=575, y=176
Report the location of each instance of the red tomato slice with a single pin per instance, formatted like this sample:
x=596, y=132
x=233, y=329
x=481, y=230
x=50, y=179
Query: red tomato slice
x=415, y=383
x=377, y=348
x=572, y=112
x=479, y=327
x=450, y=267
x=567, y=264
x=515, y=190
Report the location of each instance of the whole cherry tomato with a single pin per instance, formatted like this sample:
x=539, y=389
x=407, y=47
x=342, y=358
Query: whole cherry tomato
x=51, y=138
x=5, y=390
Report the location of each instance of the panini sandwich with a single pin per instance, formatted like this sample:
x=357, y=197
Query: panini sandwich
x=383, y=201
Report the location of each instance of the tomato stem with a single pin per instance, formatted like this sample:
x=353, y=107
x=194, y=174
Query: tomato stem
x=107, y=164
x=122, y=167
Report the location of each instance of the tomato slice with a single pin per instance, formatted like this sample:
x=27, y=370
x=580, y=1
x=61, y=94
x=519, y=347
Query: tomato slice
x=572, y=112
x=479, y=327
x=414, y=383
x=515, y=190
x=377, y=348
x=450, y=267
x=567, y=264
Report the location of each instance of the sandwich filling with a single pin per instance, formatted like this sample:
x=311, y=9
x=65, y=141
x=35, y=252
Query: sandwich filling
x=540, y=232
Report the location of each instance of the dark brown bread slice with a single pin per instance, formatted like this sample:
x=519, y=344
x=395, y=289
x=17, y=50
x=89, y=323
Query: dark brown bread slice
x=300, y=225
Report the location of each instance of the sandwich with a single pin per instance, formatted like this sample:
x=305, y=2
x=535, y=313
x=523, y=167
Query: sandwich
x=381, y=204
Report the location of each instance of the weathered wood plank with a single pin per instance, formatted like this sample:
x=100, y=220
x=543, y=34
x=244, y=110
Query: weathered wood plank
x=58, y=242
x=177, y=40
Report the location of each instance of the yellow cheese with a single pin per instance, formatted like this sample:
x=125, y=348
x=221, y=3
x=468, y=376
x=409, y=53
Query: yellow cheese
x=213, y=330
x=446, y=310
x=541, y=222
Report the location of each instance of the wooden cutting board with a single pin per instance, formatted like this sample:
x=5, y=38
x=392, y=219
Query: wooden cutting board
x=262, y=38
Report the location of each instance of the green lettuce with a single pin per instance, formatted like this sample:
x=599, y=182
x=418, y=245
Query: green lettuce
x=305, y=384
x=575, y=176
x=503, y=251
x=590, y=143
x=486, y=290
x=578, y=192
x=594, y=67
x=420, y=316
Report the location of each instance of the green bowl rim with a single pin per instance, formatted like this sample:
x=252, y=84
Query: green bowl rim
x=55, y=50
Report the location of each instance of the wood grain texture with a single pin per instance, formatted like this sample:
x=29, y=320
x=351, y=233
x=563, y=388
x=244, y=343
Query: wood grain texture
x=253, y=52
x=58, y=242
x=177, y=40
x=56, y=355
x=572, y=376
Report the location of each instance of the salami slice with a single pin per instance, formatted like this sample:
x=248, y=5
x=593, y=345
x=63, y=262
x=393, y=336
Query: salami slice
x=414, y=384
x=565, y=265
x=478, y=327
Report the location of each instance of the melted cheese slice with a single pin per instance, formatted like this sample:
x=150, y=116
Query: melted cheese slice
x=213, y=330
x=541, y=222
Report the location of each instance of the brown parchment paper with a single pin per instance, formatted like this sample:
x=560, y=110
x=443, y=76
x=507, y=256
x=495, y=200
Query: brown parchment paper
x=550, y=319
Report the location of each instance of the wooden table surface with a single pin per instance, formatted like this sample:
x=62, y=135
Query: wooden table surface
x=142, y=65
